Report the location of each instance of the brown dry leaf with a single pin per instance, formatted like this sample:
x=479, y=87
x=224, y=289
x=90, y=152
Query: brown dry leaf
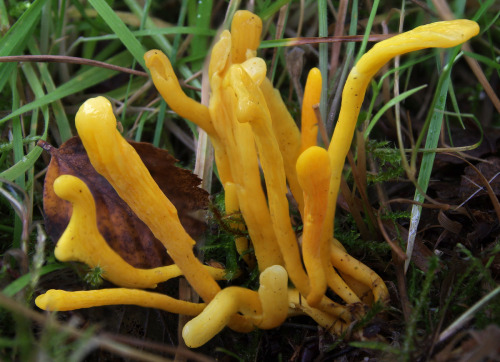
x=121, y=228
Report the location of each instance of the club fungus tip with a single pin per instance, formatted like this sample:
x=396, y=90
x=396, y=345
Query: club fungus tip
x=246, y=29
x=49, y=301
x=312, y=97
x=156, y=62
x=95, y=114
x=314, y=161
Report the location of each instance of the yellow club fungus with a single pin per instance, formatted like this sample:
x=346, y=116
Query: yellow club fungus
x=267, y=308
x=61, y=300
x=444, y=34
x=81, y=241
x=287, y=135
x=249, y=126
x=114, y=158
x=312, y=96
x=313, y=171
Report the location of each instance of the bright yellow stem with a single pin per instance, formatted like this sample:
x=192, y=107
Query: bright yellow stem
x=82, y=241
x=248, y=98
x=312, y=97
x=114, y=158
x=443, y=34
x=166, y=82
x=359, y=271
x=313, y=171
x=287, y=135
x=267, y=308
x=60, y=300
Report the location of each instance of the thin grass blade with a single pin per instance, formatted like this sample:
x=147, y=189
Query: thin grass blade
x=84, y=80
x=121, y=30
x=435, y=118
x=388, y=105
x=17, y=37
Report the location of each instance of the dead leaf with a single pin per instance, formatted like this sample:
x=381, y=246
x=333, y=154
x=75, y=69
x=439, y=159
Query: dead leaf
x=121, y=228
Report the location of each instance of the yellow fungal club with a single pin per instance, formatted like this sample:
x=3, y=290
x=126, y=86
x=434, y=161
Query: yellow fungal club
x=81, y=241
x=250, y=127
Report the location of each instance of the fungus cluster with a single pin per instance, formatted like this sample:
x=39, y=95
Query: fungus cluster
x=250, y=128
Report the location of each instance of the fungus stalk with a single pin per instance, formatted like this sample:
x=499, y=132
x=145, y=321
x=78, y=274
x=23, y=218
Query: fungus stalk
x=82, y=241
x=267, y=308
x=309, y=122
x=313, y=170
x=60, y=300
x=287, y=135
x=444, y=34
x=114, y=158
x=249, y=100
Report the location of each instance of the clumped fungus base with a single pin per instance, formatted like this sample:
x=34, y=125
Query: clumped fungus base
x=245, y=133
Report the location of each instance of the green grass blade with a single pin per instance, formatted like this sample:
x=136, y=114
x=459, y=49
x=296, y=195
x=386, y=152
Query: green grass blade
x=456, y=108
x=17, y=140
x=334, y=106
x=186, y=30
x=22, y=166
x=144, y=16
x=37, y=88
x=84, y=80
x=45, y=27
x=159, y=123
x=120, y=93
x=434, y=120
x=388, y=105
x=163, y=44
x=17, y=133
x=492, y=22
x=62, y=121
x=17, y=37
x=19, y=33
x=274, y=8
x=481, y=58
x=199, y=44
x=279, y=51
x=484, y=7
x=23, y=281
x=140, y=127
x=323, y=54
x=177, y=39
x=120, y=29
x=369, y=25
x=406, y=66
x=58, y=28
x=4, y=18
